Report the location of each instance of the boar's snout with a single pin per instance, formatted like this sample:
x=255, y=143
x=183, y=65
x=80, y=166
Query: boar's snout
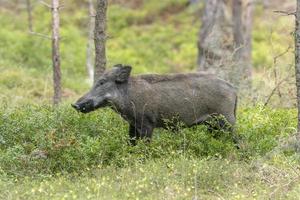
x=75, y=106
x=84, y=107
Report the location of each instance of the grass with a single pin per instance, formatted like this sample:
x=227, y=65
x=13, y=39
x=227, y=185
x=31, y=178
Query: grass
x=170, y=179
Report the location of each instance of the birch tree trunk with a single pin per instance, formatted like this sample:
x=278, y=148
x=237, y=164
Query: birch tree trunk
x=90, y=50
x=100, y=38
x=29, y=15
x=297, y=62
x=55, y=52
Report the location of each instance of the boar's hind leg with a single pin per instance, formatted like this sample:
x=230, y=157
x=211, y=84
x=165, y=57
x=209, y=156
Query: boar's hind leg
x=215, y=122
x=144, y=132
x=219, y=122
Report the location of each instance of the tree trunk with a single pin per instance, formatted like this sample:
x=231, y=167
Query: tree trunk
x=239, y=44
x=29, y=13
x=297, y=62
x=242, y=28
x=237, y=9
x=100, y=38
x=211, y=13
x=248, y=22
x=214, y=40
x=90, y=50
x=55, y=52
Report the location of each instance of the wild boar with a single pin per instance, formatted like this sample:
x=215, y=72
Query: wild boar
x=147, y=101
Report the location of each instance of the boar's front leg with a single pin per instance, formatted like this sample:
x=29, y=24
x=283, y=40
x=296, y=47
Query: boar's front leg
x=132, y=135
x=144, y=132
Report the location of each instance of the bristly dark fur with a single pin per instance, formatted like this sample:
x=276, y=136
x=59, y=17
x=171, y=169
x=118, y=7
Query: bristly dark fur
x=155, y=78
x=147, y=101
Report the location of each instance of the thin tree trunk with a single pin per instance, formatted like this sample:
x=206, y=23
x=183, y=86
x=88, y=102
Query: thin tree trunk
x=100, y=38
x=90, y=50
x=242, y=29
x=55, y=52
x=297, y=62
x=248, y=43
x=29, y=13
x=214, y=39
x=237, y=9
x=209, y=19
x=239, y=44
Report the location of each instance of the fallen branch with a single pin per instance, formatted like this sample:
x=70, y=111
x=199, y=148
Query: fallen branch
x=285, y=13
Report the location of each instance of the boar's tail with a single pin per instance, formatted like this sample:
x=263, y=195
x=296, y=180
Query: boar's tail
x=235, y=105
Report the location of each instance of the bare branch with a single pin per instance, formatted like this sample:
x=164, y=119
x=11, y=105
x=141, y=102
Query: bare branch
x=281, y=54
x=285, y=13
x=277, y=86
x=61, y=7
x=274, y=90
x=40, y=35
x=45, y=4
x=275, y=68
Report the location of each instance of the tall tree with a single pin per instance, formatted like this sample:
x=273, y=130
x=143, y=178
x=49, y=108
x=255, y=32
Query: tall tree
x=214, y=39
x=297, y=62
x=55, y=52
x=238, y=40
x=90, y=49
x=29, y=15
x=242, y=28
x=100, y=38
x=248, y=24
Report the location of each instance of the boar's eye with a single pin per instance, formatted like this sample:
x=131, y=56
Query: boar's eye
x=101, y=82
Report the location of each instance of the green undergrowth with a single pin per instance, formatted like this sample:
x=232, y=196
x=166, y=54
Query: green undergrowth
x=44, y=140
x=58, y=153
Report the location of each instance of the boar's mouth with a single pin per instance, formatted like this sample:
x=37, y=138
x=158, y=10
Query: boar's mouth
x=88, y=106
x=84, y=107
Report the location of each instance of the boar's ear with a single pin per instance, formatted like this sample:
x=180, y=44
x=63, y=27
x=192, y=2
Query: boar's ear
x=123, y=73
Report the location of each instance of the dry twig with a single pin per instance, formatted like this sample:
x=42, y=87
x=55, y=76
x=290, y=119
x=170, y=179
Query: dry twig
x=285, y=13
